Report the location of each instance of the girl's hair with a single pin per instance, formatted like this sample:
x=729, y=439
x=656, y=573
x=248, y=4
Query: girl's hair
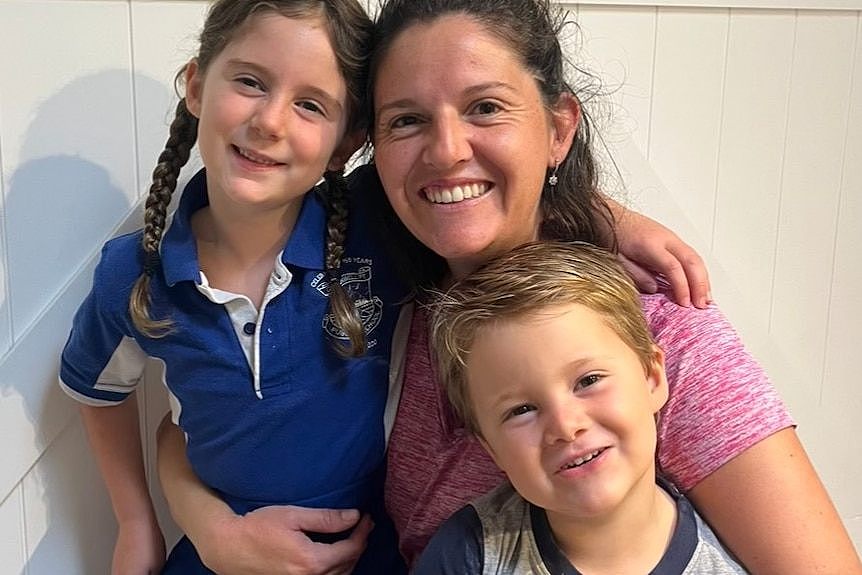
x=573, y=210
x=523, y=283
x=350, y=32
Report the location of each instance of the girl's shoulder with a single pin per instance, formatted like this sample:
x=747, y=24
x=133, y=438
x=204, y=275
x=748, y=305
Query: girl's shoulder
x=120, y=265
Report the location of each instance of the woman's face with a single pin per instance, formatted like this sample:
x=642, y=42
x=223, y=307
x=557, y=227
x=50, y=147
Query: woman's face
x=463, y=140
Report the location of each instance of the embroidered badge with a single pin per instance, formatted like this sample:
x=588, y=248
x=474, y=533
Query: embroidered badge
x=358, y=287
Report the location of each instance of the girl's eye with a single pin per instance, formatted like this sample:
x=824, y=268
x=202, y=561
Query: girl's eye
x=311, y=107
x=250, y=82
x=588, y=380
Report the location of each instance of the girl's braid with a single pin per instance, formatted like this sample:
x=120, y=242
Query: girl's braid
x=344, y=312
x=183, y=134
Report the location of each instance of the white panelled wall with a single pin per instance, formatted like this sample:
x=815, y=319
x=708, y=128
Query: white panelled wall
x=740, y=127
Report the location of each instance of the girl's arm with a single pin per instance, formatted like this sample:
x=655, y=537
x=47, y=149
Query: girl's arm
x=115, y=438
x=648, y=248
x=269, y=540
x=770, y=509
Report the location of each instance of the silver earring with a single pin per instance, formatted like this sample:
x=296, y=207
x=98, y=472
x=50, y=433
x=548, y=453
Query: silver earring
x=552, y=179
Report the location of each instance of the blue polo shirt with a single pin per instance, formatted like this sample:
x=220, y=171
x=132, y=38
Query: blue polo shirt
x=272, y=414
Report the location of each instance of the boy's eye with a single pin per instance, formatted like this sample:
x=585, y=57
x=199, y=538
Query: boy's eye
x=588, y=380
x=519, y=410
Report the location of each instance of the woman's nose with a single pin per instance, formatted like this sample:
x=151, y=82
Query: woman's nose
x=449, y=142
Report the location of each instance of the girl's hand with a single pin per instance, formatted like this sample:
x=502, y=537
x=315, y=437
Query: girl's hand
x=648, y=249
x=140, y=549
x=272, y=540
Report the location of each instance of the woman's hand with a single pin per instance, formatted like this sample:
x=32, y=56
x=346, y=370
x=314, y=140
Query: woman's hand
x=270, y=540
x=648, y=248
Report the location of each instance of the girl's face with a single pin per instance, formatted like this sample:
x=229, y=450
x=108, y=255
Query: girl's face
x=463, y=140
x=272, y=109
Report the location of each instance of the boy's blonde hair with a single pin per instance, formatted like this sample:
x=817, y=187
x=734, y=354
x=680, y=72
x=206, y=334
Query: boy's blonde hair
x=530, y=278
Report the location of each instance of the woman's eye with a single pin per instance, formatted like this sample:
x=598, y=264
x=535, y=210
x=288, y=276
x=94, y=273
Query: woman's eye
x=403, y=122
x=588, y=381
x=485, y=108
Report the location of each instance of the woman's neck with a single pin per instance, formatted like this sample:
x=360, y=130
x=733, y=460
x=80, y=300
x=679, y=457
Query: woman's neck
x=631, y=539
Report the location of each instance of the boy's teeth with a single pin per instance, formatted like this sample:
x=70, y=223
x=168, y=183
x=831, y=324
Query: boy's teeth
x=455, y=194
x=581, y=460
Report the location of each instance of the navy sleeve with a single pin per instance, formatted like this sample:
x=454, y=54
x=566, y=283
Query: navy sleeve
x=456, y=548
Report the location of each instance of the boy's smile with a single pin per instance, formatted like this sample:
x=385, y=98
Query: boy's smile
x=566, y=410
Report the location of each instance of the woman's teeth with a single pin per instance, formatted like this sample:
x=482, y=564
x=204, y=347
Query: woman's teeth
x=455, y=194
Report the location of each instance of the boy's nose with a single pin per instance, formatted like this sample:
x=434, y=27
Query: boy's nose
x=564, y=422
x=448, y=143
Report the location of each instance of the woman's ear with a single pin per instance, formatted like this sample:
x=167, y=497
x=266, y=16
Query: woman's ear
x=194, y=83
x=656, y=381
x=565, y=118
x=351, y=142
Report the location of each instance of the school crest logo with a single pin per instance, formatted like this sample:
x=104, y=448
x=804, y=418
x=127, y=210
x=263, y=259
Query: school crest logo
x=358, y=287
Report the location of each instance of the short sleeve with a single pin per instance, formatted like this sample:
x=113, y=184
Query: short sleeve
x=456, y=548
x=721, y=400
x=102, y=362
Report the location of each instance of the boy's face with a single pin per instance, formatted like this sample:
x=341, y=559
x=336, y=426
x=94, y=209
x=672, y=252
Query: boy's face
x=566, y=410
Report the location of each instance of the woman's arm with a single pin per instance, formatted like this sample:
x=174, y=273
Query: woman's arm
x=270, y=540
x=727, y=440
x=770, y=509
x=648, y=248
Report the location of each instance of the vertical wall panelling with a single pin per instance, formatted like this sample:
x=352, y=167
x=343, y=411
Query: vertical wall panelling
x=814, y=155
x=67, y=134
x=686, y=107
x=759, y=59
x=618, y=47
x=5, y=320
x=70, y=526
x=841, y=398
x=164, y=37
x=12, y=555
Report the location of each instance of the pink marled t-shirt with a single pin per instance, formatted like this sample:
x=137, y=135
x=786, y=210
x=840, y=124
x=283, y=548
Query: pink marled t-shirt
x=721, y=403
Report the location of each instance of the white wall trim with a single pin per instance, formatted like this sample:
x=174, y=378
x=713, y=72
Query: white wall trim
x=845, y=5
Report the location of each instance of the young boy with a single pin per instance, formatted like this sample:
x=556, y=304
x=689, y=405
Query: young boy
x=547, y=358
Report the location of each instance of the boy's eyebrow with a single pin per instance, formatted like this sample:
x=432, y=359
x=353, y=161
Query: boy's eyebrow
x=329, y=99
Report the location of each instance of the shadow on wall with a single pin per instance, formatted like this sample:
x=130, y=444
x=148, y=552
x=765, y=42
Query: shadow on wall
x=62, y=201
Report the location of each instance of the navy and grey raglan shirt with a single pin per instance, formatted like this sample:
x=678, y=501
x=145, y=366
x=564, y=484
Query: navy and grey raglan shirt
x=272, y=414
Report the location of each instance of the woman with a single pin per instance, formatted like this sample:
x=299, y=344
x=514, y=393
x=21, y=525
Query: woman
x=462, y=89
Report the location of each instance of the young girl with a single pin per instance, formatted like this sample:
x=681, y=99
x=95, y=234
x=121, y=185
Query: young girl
x=243, y=298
